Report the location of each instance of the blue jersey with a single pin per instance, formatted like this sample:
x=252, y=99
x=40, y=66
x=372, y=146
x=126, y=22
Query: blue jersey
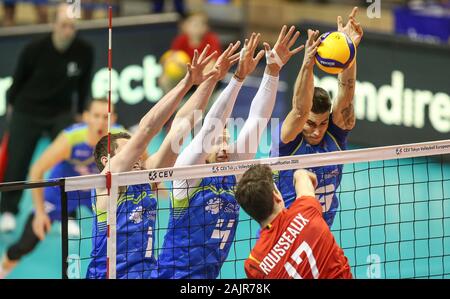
x=328, y=177
x=200, y=232
x=136, y=214
x=80, y=162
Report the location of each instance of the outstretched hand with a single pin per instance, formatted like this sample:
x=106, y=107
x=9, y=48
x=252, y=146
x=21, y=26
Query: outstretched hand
x=196, y=68
x=352, y=28
x=311, y=46
x=247, y=61
x=225, y=61
x=286, y=39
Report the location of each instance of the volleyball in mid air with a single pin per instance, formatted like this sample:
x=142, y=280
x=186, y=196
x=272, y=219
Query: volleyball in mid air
x=174, y=64
x=335, y=53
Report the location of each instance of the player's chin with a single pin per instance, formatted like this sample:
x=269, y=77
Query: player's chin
x=313, y=141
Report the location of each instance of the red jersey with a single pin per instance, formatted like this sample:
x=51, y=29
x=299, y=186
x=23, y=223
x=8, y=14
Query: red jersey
x=181, y=42
x=298, y=244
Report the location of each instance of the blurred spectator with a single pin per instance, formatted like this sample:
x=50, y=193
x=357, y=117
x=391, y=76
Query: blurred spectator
x=196, y=34
x=9, y=7
x=158, y=6
x=89, y=7
x=48, y=72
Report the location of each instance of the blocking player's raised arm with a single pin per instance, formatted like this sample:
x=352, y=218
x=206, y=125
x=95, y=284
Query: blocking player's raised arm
x=343, y=109
x=264, y=100
x=303, y=92
x=305, y=183
x=149, y=126
x=184, y=119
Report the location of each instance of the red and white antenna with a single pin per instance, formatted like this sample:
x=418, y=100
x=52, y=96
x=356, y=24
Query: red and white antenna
x=108, y=173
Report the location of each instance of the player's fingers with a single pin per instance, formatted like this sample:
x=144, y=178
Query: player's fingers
x=204, y=53
x=266, y=47
x=232, y=57
x=310, y=37
x=195, y=58
x=208, y=59
x=235, y=47
x=259, y=56
x=227, y=50
x=353, y=13
x=256, y=41
x=293, y=39
x=234, y=61
x=316, y=43
x=250, y=41
x=48, y=226
x=282, y=32
x=339, y=23
x=288, y=35
x=296, y=50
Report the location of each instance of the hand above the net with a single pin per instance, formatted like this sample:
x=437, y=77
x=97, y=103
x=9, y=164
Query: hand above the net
x=286, y=39
x=247, y=61
x=311, y=46
x=224, y=62
x=352, y=28
x=195, y=70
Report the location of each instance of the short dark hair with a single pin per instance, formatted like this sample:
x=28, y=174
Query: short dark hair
x=255, y=192
x=321, y=101
x=101, y=149
x=100, y=100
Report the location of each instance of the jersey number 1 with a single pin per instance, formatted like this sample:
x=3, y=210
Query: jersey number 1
x=292, y=271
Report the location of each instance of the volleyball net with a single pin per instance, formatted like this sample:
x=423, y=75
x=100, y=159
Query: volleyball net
x=393, y=219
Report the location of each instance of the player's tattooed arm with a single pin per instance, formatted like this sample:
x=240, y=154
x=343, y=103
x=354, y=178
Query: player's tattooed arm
x=303, y=92
x=343, y=110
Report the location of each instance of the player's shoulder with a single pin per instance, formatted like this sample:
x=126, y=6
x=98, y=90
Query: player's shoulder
x=76, y=133
x=304, y=204
x=77, y=127
x=251, y=266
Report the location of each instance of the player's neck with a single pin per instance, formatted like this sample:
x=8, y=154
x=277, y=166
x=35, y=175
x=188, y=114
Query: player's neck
x=269, y=219
x=92, y=139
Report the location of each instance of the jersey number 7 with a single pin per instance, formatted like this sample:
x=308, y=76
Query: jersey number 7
x=292, y=271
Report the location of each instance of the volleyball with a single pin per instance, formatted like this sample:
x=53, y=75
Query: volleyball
x=174, y=64
x=335, y=53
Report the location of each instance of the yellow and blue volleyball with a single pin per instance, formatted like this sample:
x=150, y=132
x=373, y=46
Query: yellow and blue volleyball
x=335, y=53
x=174, y=64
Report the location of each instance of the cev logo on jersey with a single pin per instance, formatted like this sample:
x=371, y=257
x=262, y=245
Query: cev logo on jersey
x=160, y=174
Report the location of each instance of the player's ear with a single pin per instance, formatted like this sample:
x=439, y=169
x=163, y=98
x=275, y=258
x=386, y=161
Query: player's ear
x=277, y=196
x=85, y=116
x=104, y=160
x=113, y=118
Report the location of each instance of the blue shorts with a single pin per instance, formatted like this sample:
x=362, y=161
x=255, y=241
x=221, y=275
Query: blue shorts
x=75, y=199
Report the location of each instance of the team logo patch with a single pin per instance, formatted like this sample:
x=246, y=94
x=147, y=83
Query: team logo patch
x=214, y=205
x=136, y=215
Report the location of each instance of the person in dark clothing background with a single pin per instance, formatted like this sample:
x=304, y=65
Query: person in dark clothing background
x=41, y=100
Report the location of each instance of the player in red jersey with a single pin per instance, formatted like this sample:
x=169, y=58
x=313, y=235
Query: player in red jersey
x=294, y=242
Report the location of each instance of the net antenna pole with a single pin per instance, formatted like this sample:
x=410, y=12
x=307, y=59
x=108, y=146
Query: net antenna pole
x=110, y=186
